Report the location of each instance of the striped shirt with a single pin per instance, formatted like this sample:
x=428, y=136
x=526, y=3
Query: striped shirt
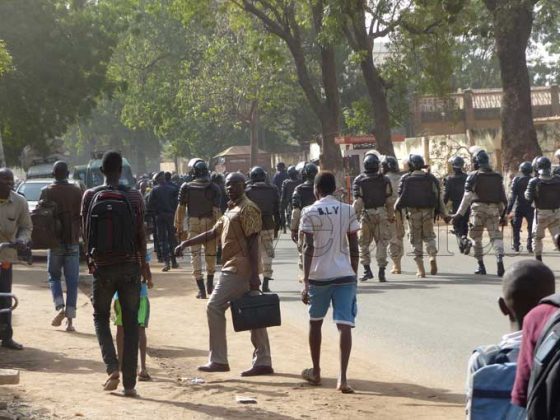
x=137, y=204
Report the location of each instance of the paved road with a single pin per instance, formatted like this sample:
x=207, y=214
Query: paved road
x=423, y=329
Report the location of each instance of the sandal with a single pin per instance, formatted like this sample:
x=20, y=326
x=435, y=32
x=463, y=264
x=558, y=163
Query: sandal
x=144, y=377
x=345, y=389
x=310, y=377
x=111, y=383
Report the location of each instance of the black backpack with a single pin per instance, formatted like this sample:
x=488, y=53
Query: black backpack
x=111, y=224
x=543, y=402
x=47, y=225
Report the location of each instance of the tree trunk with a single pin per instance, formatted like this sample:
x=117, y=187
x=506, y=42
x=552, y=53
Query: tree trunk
x=254, y=134
x=513, y=22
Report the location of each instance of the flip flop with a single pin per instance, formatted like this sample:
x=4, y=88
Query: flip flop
x=111, y=384
x=346, y=389
x=308, y=375
x=144, y=377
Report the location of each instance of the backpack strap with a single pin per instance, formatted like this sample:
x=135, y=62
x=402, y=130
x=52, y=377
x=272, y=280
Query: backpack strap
x=552, y=300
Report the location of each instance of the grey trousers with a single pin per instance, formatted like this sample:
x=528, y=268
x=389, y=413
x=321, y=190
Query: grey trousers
x=230, y=287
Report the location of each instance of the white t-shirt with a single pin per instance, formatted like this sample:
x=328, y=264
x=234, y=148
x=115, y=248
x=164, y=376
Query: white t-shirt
x=330, y=221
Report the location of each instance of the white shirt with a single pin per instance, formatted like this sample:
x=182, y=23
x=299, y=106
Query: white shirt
x=330, y=221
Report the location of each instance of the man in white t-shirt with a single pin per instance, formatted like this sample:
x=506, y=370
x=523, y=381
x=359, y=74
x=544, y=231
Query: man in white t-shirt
x=330, y=264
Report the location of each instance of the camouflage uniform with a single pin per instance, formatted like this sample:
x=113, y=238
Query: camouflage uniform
x=396, y=228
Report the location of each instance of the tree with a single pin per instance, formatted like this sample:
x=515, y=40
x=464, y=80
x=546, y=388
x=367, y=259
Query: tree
x=5, y=58
x=512, y=25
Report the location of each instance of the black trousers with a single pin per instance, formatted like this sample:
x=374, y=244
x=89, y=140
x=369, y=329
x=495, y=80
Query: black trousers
x=6, y=331
x=519, y=215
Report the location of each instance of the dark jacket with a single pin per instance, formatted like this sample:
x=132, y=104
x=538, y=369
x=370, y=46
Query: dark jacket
x=163, y=199
x=68, y=199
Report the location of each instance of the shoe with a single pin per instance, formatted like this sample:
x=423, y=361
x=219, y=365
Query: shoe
x=367, y=274
x=467, y=247
x=481, y=269
x=258, y=371
x=515, y=248
x=201, y=290
x=165, y=268
x=538, y=258
x=421, y=272
x=174, y=265
x=265, y=287
x=11, y=344
x=130, y=393
x=214, y=367
x=501, y=269
x=209, y=284
x=433, y=266
x=57, y=320
x=381, y=275
x=396, y=266
x=461, y=246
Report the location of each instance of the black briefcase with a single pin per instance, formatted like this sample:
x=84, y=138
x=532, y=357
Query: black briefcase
x=253, y=312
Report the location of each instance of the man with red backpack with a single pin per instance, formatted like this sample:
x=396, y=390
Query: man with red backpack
x=112, y=217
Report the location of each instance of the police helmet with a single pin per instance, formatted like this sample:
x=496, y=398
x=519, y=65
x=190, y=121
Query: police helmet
x=457, y=162
x=416, y=162
x=309, y=171
x=481, y=159
x=526, y=168
x=200, y=169
x=543, y=165
x=292, y=172
x=371, y=163
x=390, y=164
x=257, y=174
x=300, y=166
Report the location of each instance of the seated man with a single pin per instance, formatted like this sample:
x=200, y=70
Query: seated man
x=492, y=368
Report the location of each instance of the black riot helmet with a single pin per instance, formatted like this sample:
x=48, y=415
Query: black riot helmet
x=543, y=165
x=309, y=171
x=257, y=174
x=200, y=169
x=371, y=163
x=526, y=168
x=457, y=162
x=390, y=164
x=292, y=172
x=481, y=160
x=416, y=162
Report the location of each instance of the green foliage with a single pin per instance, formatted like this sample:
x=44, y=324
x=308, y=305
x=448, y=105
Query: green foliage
x=5, y=58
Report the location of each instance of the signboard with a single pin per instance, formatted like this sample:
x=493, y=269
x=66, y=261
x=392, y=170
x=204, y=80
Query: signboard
x=365, y=139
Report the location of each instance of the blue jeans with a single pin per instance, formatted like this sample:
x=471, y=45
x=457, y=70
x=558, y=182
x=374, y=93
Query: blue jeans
x=67, y=258
x=166, y=236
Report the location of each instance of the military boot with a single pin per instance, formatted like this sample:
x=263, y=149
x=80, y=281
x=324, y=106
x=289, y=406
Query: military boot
x=467, y=245
x=433, y=266
x=538, y=257
x=501, y=269
x=396, y=266
x=421, y=272
x=481, y=268
x=201, y=291
x=381, y=275
x=209, y=284
x=265, y=287
x=367, y=273
x=461, y=245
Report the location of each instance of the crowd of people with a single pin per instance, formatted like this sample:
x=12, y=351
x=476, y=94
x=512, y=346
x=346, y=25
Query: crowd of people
x=234, y=221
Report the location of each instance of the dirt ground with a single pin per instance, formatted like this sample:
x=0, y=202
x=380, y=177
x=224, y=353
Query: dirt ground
x=62, y=373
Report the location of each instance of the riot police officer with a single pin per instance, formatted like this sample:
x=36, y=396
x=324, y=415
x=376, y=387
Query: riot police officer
x=420, y=195
x=266, y=197
x=486, y=196
x=288, y=187
x=523, y=208
x=453, y=190
x=390, y=168
x=199, y=201
x=302, y=197
x=544, y=191
x=371, y=190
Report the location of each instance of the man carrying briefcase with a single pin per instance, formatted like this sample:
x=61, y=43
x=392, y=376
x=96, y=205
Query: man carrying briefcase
x=239, y=229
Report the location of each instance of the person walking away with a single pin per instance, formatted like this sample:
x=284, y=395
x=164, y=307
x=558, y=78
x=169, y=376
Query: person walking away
x=330, y=265
x=287, y=190
x=523, y=208
x=390, y=168
x=199, y=200
x=277, y=180
x=371, y=191
x=266, y=197
x=163, y=203
x=486, y=197
x=66, y=257
x=239, y=230
x=544, y=192
x=302, y=197
x=113, y=229
x=15, y=227
x=420, y=195
x=453, y=190
x=491, y=369
x=151, y=217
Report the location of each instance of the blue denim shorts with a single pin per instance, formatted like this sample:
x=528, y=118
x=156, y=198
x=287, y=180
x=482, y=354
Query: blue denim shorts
x=343, y=298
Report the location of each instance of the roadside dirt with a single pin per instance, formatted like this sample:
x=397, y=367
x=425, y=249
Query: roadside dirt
x=62, y=373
